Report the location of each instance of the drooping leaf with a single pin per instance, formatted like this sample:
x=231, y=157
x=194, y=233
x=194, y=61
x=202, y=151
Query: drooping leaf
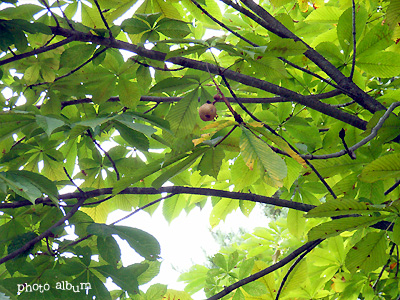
x=254, y=150
x=12, y=122
x=142, y=242
x=182, y=116
x=211, y=161
x=342, y=206
x=337, y=226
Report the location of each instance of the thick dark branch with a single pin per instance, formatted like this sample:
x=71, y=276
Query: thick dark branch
x=181, y=190
x=273, y=25
x=206, y=67
x=158, y=99
x=266, y=271
x=172, y=190
x=37, y=51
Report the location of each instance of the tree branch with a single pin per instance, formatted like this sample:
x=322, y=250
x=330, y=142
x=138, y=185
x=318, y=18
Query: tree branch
x=273, y=25
x=69, y=39
x=266, y=271
x=32, y=242
x=207, y=67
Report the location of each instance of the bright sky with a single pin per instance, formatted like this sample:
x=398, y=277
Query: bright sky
x=184, y=242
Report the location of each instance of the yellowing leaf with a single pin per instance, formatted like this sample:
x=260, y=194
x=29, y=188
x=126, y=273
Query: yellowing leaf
x=254, y=150
x=203, y=138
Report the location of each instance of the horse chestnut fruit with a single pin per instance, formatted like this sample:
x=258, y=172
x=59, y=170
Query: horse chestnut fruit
x=207, y=111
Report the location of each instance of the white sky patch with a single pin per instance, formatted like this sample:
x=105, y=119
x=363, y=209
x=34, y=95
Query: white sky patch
x=186, y=241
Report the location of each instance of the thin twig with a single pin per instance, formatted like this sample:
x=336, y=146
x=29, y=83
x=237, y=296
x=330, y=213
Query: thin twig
x=374, y=133
x=143, y=207
x=65, y=16
x=72, y=71
x=353, y=64
x=32, y=242
x=152, y=108
x=72, y=181
x=266, y=100
x=103, y=18
x=384, y=267
x=105, y=153
x=255, y=45
x=342, y=134
x=37, y=51
x=392, y=187
x=44, y=2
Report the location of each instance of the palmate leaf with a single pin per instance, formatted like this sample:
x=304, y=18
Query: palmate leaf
x=369, y=253
x=254, y=150
x=384, y=167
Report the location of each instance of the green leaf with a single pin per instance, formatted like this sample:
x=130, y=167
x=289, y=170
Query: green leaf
x=173, y=84
x=283, y=48
x=142, y=242
x=142, y=173
x=12, y=122
x=30, y=185
x=255, y=151
x=20, y=241
x=211, y=162
x=109, y=250
x=129, y=120
x=387, y=166
x=76, y=55
x=389, y=129
x=134, y=26
x=255, y=288
x=156, y=291
x=134, y=138
x=296, y=222
x=220, y=261
x=182, y=115
x=381, y=64
x=129, y=94
x=343, y=206
x=324, y=14
x=368, y=254
x=337, y=226
x=126, y=278
x=49, y=124
x=178, y=168
x=173, y=28
x=221, y=210
x=172, y=207
x=345, y=29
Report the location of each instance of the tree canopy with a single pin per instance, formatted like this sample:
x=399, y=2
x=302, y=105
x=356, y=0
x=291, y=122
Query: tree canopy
x=125, y=104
